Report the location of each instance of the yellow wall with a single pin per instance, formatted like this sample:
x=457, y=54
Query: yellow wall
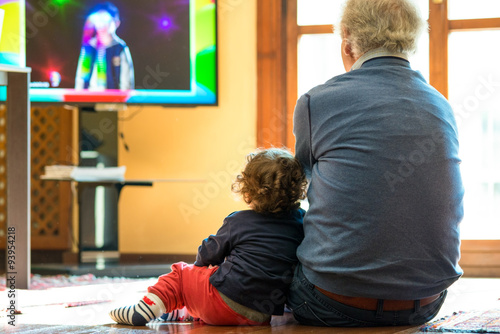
x=207, y=143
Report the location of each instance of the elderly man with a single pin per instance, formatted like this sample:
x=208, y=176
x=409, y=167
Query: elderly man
x=380, y=148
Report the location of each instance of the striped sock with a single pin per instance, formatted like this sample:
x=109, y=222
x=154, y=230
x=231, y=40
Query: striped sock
x=148, y=308
x=176, y=315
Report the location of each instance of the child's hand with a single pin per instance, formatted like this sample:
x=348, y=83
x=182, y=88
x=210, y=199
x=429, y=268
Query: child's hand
x=210, y=266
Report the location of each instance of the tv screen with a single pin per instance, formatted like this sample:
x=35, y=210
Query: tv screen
x=12, y=46
x=122, y=51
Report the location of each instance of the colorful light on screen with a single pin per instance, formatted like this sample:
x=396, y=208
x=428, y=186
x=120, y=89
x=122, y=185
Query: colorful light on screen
x=55, y=78
x=52, y=75
x=61, y=2
x=164, y=23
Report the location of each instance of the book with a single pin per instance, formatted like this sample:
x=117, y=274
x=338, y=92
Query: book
x=84, y=174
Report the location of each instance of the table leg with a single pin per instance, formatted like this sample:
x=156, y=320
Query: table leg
x=18, y=255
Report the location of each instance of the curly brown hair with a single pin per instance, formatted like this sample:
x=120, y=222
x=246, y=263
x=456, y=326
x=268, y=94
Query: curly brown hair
x=272, y=181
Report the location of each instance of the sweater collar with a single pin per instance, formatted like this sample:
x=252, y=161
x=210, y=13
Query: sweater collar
x=377, y=53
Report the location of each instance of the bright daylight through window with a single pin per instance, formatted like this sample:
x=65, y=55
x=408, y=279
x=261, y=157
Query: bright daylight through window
x=473, y=89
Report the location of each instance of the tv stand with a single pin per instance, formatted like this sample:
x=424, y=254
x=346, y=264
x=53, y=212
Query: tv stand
x=100, y=107
x=86, y=226
x=97, y=259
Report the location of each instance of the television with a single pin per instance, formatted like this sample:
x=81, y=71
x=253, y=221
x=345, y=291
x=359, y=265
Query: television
x=12, y=46
x=87, y=52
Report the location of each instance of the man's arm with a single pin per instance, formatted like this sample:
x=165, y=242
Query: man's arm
x=302, y=132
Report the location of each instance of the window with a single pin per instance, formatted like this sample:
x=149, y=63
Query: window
x=457, y=57
x=480, y=9
x=319, y=50
x=474, y=92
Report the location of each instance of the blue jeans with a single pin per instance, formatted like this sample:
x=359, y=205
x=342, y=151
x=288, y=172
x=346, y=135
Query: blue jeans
x=311, y=307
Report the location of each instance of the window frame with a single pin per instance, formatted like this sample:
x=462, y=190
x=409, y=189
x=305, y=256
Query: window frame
x=277, y=38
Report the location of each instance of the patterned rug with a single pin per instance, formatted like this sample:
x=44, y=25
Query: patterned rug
x=39, y=282
x=60, y=292
x=467, y=322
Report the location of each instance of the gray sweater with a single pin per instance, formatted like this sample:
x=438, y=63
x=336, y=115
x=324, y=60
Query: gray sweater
x=380, y=146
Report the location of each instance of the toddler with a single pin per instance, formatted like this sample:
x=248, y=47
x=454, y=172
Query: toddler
x=242, y=274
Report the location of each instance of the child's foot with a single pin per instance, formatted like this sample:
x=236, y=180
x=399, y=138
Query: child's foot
x=148, y=308
x=176, y=315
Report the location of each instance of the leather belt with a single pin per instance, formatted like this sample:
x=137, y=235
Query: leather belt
x=372, y=303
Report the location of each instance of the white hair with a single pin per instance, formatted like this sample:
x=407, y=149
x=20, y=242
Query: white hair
x=392, y=24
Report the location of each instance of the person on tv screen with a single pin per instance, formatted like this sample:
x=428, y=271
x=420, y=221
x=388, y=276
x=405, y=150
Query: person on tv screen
x=105, y=61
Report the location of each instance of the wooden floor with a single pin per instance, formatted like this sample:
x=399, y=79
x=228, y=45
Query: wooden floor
x=44, y=311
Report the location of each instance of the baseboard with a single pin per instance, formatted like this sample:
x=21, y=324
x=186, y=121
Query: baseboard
x=480, y=258
x=128, y=265
x=70, y=258
x=37, y=257
x=481, y=272
x=136, y=258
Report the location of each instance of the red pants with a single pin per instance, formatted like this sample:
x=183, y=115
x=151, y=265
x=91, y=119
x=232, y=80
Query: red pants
x=188, y=286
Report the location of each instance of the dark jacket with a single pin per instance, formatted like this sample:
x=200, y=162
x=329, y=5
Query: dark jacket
x=256, y=254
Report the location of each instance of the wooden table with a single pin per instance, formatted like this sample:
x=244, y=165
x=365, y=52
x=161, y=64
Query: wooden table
x=90, y=255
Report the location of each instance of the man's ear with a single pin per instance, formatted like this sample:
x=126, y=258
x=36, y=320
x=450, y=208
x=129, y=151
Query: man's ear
x=346, y=48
